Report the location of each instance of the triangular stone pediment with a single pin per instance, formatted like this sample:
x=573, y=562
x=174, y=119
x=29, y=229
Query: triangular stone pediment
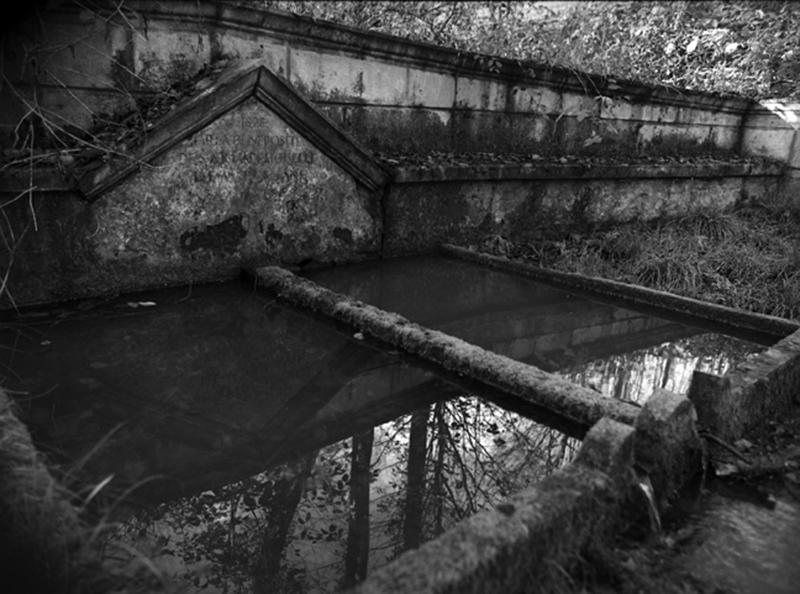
x=240, y=130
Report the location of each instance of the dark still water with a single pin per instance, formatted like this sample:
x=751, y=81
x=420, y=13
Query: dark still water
x=200, y=387
x=254, y=447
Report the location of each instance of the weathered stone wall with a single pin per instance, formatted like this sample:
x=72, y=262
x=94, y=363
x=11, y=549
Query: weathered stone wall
x=390, y=93
x=216, y=202
x=758, y=390
x=423, y=211
x=579, y=406
x=246, y=189
x=223, y=199
x=772, y=129
x=266, y=187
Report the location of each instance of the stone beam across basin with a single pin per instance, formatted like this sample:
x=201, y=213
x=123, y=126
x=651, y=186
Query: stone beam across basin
x=575, y=403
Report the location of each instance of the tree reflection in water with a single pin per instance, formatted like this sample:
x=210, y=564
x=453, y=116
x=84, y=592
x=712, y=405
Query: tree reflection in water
x=634, y=376
x=318, y=523
x=323, y=520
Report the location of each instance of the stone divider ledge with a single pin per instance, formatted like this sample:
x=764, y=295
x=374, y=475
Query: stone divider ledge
x=591, y=169
x=766, y=328
x=577, y=404
x=761, y=388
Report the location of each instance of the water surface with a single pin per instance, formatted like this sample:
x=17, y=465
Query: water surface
x=619, y=351
x=255, y=446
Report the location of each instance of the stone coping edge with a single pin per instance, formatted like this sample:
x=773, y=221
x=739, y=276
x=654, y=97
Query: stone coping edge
x=52, y=180
x=243, y=81
x=559, y=171
x=768, y=328
x=326, y=34
x=530, y=538
x=577, y=404
x=759, y=389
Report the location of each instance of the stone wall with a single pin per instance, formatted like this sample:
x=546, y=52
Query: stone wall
x=772, y=129
x=391, y=94
x=425, y=208
x=744, y=400
x=244, y=174
x=289, y=176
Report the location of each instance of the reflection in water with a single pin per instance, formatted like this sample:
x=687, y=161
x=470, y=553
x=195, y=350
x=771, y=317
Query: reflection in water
x=621, y=353
x=292, y=456
x=321, y=521
x=531, y=321
x=190, y=385
x=636, y=375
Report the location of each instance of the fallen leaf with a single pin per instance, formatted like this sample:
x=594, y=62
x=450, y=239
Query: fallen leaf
x=727, y=469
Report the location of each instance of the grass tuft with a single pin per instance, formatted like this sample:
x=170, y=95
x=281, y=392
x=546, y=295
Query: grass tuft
x=47, y=541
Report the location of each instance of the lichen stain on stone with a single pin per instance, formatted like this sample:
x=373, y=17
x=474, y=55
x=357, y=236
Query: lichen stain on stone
x=224, y=237
x=272, y=237
x=392, y=128
x=344, y=235
x=358, y=86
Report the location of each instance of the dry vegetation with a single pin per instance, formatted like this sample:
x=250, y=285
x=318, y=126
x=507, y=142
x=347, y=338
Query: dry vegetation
x=747, y=48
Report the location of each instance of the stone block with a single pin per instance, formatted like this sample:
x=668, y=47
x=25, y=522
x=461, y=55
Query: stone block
x=535, y=99
x=760, y=388
x=710, y=395
x=430, y=89
x=767, y=142
x=609, y=448
x=668, y=446
x=480, y=93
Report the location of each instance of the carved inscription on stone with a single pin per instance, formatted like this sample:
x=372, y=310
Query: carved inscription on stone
x=254, y=140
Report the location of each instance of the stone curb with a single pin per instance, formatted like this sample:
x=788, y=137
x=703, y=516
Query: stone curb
x=538, y=171
x=668, y=447
x=530, y=538
x=763, y=327
x=575, y=403
x=761, y=388
x=575, y=510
